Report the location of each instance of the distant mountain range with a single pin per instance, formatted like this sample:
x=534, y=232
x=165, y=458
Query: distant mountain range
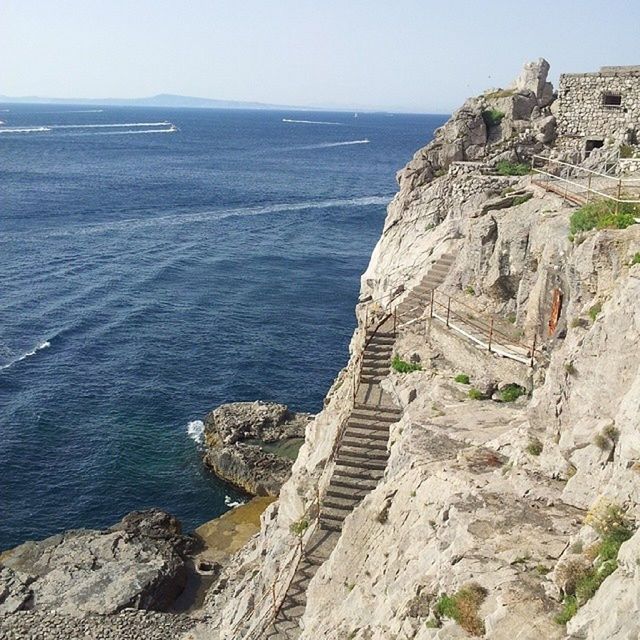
x=161, y=100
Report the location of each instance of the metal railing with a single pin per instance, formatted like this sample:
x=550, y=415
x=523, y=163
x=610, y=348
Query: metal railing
x=278, y=596
x=464, y=319
x=584, y=189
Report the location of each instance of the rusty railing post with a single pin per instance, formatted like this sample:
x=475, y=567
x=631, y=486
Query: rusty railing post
x=619, y=193
x=273, y=595
x=533, y=349
x=448, y=309
x=589, y=188
x=433, y=293
x=490, y=334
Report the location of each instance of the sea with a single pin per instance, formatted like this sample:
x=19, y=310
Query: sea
x=155, y=263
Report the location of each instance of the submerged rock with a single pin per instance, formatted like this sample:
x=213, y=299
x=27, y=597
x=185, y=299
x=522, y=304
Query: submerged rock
x=251, y=444
x=139, y=563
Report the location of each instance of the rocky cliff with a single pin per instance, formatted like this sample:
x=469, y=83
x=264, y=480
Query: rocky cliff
x=501, y=513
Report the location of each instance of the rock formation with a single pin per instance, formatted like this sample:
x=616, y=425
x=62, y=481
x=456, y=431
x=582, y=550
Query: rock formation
x=139, y=563
x=236, y=436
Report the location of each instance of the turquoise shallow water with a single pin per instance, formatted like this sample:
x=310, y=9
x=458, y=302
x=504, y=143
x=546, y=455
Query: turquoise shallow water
x=154, y=269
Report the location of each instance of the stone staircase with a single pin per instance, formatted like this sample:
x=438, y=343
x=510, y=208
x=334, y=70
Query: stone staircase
x=360, y=463
x=419, y=298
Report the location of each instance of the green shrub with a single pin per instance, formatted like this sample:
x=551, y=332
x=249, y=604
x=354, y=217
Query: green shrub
x=469, y=290
x=626, y=151
x=512, y=318
x=534, y=447
x=402, y=366
x=635, y=259
x=512, y=392
x=521, y=199
x=602, y=214
x=462, y=378
x=492, y=117
x=601, y=442
x=595, y=310
x=613, y=525
x=506, y=168
x=463, y=607
x=475, y=394
x=569, y=609
x=299, y=527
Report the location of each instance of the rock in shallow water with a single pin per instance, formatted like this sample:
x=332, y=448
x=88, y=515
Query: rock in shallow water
x=139, y=563
x=237, y=436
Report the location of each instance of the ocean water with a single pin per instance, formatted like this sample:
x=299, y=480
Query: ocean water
x=154, y=269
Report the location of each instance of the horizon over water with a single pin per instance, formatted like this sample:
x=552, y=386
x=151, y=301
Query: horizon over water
x=156, y=263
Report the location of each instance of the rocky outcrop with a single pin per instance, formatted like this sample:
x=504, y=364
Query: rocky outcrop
x=139, y=563
x=240, y=440
x=510, y=124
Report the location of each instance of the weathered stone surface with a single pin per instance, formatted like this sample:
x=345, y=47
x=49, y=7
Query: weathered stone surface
x=137, y=564
x=235, y=434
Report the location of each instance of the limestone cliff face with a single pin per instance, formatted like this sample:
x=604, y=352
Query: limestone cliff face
x=487, y=503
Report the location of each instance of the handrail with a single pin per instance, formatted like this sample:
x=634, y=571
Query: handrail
x=619, y=182
x=298, y=552
x=496, y=340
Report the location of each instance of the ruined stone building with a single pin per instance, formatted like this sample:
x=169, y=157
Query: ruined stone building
x=595, y=108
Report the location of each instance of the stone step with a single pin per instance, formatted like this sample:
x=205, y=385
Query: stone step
x=381, y=363
x=372, y=434
x=329, y=525
x=348, y=473
x=360, y=462
x=377, y=338
x=373, y=444
x=362, y=452
x=376, y=357
x=377, y=410
x=372, y=420
x=337, y=515
x=351, y=492
x=340, y=503
x=344, y=483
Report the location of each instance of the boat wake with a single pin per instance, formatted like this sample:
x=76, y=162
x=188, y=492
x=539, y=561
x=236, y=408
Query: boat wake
x=127, y=128
x=25, y=130
x=327, y=145
x=43, y=345
x=232, y=503
x=291, y=121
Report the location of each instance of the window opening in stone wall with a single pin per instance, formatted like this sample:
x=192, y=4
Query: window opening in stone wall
x=592, y=144
x=612, y=100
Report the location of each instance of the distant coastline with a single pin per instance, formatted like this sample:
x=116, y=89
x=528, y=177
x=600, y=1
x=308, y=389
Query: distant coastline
x=168, y=100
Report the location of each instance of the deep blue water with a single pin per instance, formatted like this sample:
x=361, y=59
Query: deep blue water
x=146, y=277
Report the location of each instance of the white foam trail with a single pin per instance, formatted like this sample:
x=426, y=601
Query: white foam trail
x=339, y=124
x=25, y=130
x=230, y=503
x=195, y=430
x=326, y=145
x=76, y=111
x=121, y=133
x=205, y=216
x=111, y=125
x=42, y=345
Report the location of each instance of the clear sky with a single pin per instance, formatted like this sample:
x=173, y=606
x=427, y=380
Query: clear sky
x=416, y=55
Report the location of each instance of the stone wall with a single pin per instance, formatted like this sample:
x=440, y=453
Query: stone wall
x=581, y=110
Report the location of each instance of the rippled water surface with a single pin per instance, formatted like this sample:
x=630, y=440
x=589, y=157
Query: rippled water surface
x=156, y=267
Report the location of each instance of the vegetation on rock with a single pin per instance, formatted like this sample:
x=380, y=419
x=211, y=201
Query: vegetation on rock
x=462, y=378
x=492, y=117
x=506, y=168
x=511, y=392
x=534, y=447
x=463, y=607
x=603, y=214
x=402, y=366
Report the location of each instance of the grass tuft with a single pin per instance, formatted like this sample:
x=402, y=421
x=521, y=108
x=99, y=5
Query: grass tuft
x=492, y=117
x=506, y=168
x=475, y=394
x=402, y=366
x=512, y=392
x=463, y=607
x=602, y=214
x=462, y=378
x=534, y=447
x=635, y=259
